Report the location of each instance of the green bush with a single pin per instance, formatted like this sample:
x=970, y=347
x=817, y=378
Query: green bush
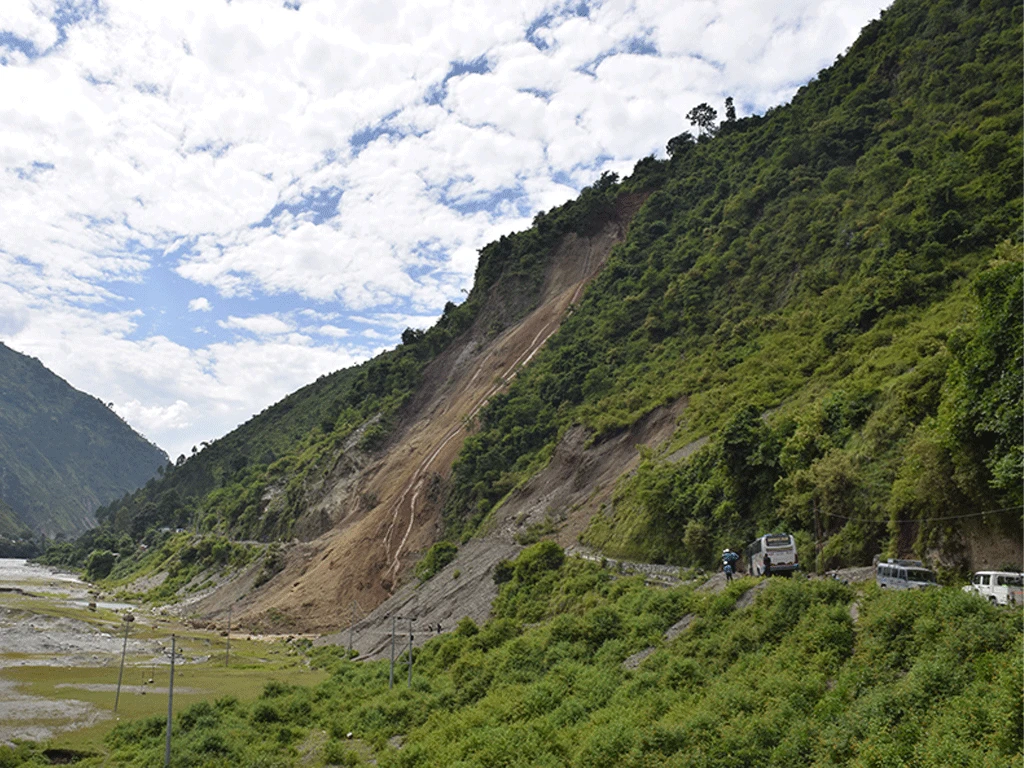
x=437, y=557
x=99, y=564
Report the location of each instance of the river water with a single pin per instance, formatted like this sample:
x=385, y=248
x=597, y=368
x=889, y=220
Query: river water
x=18, y=573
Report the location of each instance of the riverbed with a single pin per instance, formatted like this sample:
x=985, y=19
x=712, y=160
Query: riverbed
x=46, y=622
x=60, y=660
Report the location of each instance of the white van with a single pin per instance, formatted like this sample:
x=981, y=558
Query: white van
x=998, y=587
x=904, y=574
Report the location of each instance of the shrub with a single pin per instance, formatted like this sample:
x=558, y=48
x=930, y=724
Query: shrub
x=99, y=564
x=437, y=557
x=336, y=753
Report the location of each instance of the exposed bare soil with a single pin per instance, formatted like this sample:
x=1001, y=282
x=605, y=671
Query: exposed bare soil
x=580, y=478
x=364, y=558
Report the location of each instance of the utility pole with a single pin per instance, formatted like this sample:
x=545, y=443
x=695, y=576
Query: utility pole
x=391, y=678
x=817, y=537
x=124, y=648
x=351, y=624
x=410, y=653
x=227, y=655
x=354, y=610
x=170, y=707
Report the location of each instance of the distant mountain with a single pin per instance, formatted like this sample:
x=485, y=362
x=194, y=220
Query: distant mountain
x=63, y=453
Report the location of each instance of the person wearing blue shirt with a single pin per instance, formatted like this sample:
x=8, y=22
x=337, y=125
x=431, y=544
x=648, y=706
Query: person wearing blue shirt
x=729, y=559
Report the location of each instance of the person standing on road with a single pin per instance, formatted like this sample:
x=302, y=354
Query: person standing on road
x=767, y=564
x=729, y=560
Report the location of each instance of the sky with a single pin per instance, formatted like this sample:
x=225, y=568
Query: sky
x=207, y=204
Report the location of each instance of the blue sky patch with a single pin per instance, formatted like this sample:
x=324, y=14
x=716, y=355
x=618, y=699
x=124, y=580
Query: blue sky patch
x=487, y=202
x=366, y=136
x=317, y=206
x=10, y=41
x=437, y=93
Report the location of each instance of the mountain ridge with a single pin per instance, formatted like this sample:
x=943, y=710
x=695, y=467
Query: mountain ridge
x=63, y=453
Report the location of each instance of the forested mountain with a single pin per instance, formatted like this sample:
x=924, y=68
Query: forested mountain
x=828, y=294
x=836, y=287
x=63, y=453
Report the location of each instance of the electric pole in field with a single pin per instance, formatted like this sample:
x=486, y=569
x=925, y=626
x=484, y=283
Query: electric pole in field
x=170, y=707
x=128, y=619
x=391, y=678
x=352, y=622
x=227, y=654
x=410, y=653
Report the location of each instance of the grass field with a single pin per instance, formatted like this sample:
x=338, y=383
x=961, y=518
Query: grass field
x=46, y=691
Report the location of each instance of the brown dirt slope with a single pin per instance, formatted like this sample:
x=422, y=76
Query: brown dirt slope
x=577, y=482
x=386, y=512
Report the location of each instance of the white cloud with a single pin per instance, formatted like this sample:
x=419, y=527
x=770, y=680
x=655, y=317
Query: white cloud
x=333, y=331
x=158, y=418
x=30, y=21
x=189, y=138
x=174, y=395
x=262, y=325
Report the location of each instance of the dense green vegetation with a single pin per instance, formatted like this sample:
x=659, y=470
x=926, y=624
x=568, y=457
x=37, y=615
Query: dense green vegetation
x=16, y=538
x=835, y=286
x=62, y=452
x=117, y=561
x=929, y=678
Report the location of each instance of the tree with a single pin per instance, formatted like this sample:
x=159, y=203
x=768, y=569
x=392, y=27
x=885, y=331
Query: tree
x=412, y=335
x=730, y=109
x=983, y=408
x=99, y=564
x=703, y=116
x=677, y=145
x=608, y=180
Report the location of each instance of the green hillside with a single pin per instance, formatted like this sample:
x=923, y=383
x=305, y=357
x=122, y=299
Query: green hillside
x=221, y=486
x=63, y=453
x=575, y=670
x=835, y=286
x=16, y=538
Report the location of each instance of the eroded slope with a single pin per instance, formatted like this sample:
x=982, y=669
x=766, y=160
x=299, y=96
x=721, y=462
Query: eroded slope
x=386, y=512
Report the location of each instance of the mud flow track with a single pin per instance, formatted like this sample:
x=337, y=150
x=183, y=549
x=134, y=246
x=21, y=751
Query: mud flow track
x=363, y=558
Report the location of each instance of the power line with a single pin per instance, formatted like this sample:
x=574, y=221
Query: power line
x=920, y=519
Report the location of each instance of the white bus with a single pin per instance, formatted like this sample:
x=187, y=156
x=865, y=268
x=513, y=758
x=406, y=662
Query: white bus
x=904, y=574
x=781, y=551
x=999, y=587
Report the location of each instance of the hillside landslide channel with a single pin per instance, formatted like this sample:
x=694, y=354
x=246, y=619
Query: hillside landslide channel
x=339, y=576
